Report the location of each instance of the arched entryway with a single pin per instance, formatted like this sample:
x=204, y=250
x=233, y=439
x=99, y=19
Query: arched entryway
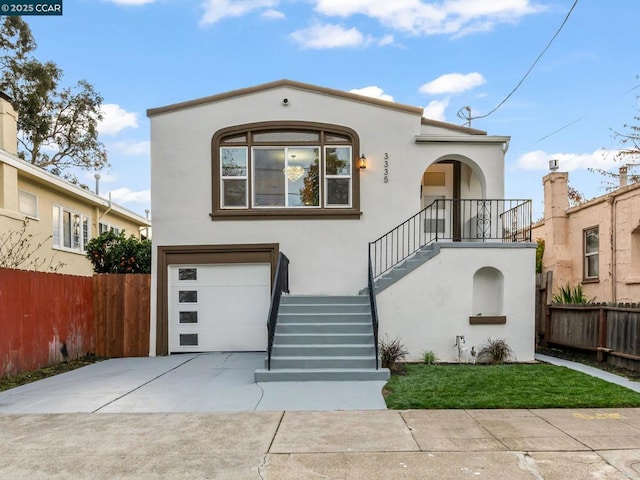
x=445, y=181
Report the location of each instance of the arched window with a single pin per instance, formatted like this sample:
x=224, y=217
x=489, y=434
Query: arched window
x=285, y=170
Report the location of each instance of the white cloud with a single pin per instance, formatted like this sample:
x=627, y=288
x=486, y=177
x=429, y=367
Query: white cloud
x=452, y=17
x=216, y=10
x=126, y=195
x=386, y=40
x=435, y=110
x=451, y=83
x=374, y=92
x=115, y=118
x=328, y=36
x=131, y=2
x=133, y=148
x=272, y=14
x=539, y=160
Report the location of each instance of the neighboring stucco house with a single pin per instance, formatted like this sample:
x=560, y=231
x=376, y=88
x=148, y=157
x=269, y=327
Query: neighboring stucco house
x=62, y=216
x=241, y=176
x=595, y=244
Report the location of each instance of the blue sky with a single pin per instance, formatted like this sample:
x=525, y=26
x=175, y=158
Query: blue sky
x=441, y=55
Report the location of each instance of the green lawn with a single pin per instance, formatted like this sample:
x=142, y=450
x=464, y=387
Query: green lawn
x=503, y=386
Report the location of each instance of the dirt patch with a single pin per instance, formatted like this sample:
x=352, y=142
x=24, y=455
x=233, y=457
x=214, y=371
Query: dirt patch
x=50, y=371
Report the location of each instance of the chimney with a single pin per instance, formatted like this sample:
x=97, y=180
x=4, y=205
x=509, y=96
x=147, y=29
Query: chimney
x=8, y=125
x=622, y=174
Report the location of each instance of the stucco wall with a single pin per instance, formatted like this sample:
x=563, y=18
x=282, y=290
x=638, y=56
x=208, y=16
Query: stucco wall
x=428, y=315
x=619, y=267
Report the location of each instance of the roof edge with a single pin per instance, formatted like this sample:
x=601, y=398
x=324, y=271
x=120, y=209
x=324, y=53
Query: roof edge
x=452, y=126
x=283, y=83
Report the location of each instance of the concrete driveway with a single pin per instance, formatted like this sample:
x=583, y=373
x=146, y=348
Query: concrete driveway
x=213, y=382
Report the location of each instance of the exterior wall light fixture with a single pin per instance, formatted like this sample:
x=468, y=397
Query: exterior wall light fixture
x=362, y=164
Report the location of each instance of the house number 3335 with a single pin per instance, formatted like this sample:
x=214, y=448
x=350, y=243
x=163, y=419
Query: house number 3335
x=386, y=168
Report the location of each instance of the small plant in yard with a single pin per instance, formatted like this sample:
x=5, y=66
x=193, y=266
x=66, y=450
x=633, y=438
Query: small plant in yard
x=495, y=351
x=392, y=352
x=429, y=357
x=571, y=295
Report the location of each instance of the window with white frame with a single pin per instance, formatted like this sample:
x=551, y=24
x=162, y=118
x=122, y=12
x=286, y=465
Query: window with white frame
x=591, y=253
x=280, y=170
x=28, y=204
x=107, y=227
x=70, y=229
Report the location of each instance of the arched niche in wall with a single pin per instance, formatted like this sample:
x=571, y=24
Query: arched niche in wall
x=488, y=297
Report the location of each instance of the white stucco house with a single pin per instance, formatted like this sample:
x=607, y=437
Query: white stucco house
x=342, y=185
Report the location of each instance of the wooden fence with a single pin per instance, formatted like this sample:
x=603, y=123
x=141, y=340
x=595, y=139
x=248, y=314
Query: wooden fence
x=44, y=316
x=122, y=305
x=610, y=330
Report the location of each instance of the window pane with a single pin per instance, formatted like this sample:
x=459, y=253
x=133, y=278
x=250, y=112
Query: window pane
x=85, y=232
x=303, y=182
x=188, y=296
x=28, y=204
x=289, y=136
x=591, y=241
x=269, y=179
x=233, y=162
x=235, y=139
x=234, y=193
x=334, y=138
x=56, y=226
x=187, y=274
x=66, y=229
x=75, y=243
x=338, y=191
x=592, y=266
x=338, y=161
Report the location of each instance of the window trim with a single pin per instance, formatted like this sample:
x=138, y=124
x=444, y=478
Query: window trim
x=585, y=255
x=85, y=234
x=281, y=213
x=109, y=228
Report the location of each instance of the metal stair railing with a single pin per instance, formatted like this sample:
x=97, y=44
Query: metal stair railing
x=374, y=312
x=472, y=220
x=281, y=284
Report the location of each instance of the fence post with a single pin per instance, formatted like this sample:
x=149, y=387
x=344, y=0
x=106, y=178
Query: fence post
x=546, y=334
x=602, y=335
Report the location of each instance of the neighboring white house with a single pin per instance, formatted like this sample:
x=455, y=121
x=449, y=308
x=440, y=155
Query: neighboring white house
x=241, y=176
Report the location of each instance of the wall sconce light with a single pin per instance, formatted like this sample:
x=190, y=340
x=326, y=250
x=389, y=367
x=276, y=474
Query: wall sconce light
x=362, y=164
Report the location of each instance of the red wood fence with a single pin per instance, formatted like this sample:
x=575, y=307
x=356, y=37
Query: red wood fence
x=42, y=314
x=122, y=305
x=39, y=314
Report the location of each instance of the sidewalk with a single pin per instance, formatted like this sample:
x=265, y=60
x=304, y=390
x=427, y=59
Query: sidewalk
x=372, y=445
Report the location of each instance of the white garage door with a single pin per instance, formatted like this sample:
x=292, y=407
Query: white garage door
x=214, y=308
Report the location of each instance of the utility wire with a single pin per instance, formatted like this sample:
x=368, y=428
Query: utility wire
x=566, y=18
x=560, y=129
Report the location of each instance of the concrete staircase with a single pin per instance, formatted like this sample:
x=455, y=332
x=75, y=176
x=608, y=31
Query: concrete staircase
x=405, y=267
x=323, y=338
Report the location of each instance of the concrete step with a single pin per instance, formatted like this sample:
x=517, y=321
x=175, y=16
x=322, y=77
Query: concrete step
x=323, y=299
x=323, y=362
x=312, y=317
x=325, y=308
x=321, y=374
x=312, y=350
x=324, y=327
x=325, y=339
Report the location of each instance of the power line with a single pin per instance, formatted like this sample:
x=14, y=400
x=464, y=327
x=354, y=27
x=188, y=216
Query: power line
x=566, y=18
x=561, y=128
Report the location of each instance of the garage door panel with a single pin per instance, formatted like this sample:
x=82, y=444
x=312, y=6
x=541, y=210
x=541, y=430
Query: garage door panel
x=225, y=307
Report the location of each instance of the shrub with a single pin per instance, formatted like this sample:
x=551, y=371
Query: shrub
x=392, y=352
x=115, y=253
x=495, y=351
x=571, y=295
x=429, y=357
x=539, y=254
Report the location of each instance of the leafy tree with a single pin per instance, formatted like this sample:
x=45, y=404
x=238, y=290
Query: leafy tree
x=115, y=253
x=57, y=125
